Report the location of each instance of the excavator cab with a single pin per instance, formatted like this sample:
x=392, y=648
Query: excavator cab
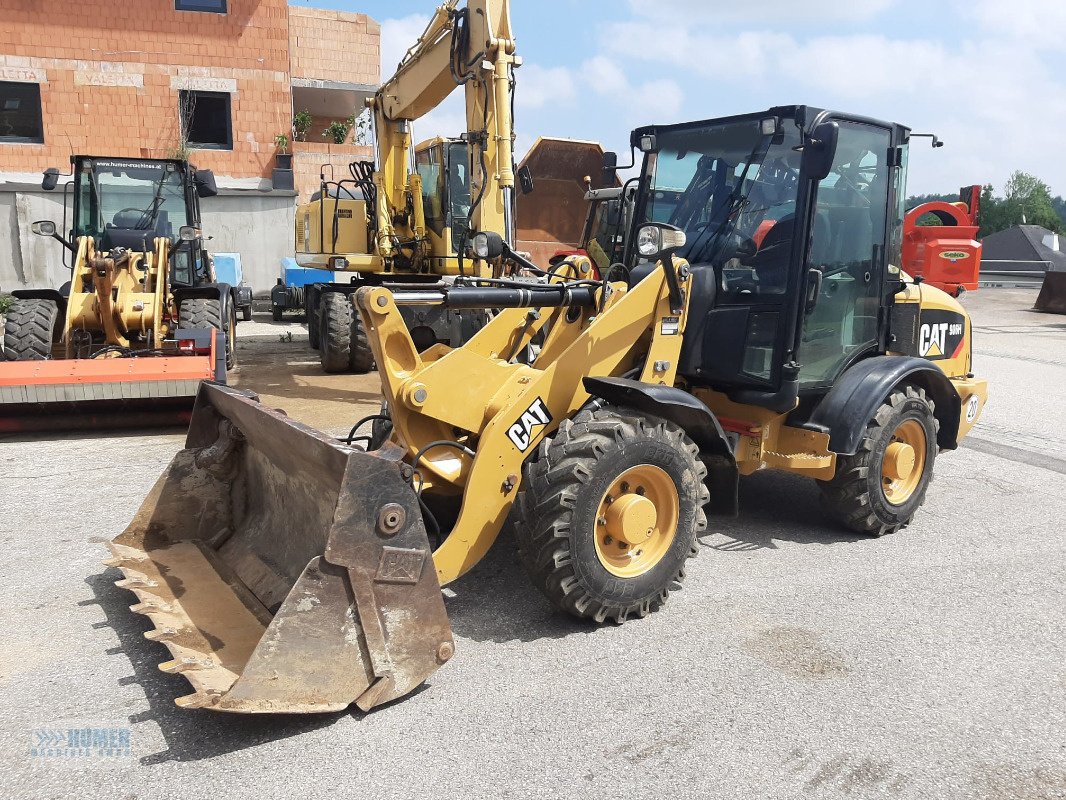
x=443, y=165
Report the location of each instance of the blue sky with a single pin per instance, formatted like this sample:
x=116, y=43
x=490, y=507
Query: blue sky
x=988, y=76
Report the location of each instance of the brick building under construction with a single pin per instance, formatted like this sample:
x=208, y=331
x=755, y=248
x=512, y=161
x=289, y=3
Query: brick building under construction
x=218, y=79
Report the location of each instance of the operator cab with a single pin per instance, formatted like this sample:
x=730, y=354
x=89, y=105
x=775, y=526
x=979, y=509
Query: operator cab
x=793, y=240
x=443, y=166
x=128, y=203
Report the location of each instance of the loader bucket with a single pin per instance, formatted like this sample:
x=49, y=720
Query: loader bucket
x=284, y=571
x=1052, y=297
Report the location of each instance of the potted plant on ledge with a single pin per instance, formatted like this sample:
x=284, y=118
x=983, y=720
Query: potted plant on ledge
x=282, y=177
x=337, y=131
x=301, y=124
x=283, y=157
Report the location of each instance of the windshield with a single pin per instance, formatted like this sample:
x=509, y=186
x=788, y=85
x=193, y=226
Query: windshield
x=120, y=197
x=728, y=185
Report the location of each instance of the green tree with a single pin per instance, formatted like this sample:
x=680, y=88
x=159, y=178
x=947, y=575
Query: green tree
x=1029, y=201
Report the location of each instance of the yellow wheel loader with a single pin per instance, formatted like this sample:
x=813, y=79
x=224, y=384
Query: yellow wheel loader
x=757, y=319
x=140, y=322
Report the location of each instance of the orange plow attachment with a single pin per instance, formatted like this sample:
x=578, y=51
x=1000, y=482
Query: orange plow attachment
x=105, y=392
x=284, y=571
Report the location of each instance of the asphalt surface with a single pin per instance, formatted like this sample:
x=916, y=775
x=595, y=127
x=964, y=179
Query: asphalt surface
x=798, y=661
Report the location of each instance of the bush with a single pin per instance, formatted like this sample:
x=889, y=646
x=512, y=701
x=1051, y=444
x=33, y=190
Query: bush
x=337, y=131
x=5, y=302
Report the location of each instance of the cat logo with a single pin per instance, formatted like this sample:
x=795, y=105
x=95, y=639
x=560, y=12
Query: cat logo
x=534, y=417
x=954, y=256
x=933, y=338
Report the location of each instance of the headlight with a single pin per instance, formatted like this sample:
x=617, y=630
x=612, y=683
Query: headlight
x=648, y=241
x=480, y=245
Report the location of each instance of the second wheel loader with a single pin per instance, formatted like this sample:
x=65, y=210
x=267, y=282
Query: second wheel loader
x=758, y=318
x=142, y=319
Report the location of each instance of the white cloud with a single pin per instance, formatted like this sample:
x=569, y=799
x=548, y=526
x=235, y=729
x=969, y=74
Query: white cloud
x=538, y=87
x=397, y=37
x=818, y=12
x=1035, y=23
x=604, y=76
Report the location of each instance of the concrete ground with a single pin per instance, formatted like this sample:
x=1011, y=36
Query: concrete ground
x=798, y=661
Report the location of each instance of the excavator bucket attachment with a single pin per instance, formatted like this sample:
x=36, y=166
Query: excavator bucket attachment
x=1052, y=297
x=284, y=571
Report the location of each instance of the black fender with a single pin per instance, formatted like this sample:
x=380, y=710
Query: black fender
x=222, y=292
x=676, y=405
x=44, y=294
x=845, y=411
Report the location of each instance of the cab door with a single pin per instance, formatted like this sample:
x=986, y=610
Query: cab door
x=846, y=265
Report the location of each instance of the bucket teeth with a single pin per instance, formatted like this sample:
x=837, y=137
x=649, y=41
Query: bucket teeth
x=137, y=582
x=148, y=606
x=160, y=634
x=186, y=665
x=204, y=699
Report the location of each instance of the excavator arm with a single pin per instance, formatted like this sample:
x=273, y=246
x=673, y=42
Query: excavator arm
x=474, y=48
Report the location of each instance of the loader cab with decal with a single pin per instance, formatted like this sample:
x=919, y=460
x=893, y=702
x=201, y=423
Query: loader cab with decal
x=792, y=218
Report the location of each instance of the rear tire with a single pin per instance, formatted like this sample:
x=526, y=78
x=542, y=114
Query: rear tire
x=343, y=343
x=204, y=313
x=867, y=495
x=30, y=330
x=566, y=544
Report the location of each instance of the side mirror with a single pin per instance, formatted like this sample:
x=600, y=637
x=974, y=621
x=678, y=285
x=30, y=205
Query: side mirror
x=205, y=183
x=610, y=168
x=487, y=245
x=51, y=179
x=44, y=228
x=188, y=233
x=820, y=150
x=525, y=179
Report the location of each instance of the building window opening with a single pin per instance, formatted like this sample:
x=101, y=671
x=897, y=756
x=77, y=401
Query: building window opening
x=20, y=113
x=212, y=6
x=205, y=120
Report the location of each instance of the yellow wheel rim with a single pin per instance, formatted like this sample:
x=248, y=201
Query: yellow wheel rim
x=636, y=521
x=903, y=464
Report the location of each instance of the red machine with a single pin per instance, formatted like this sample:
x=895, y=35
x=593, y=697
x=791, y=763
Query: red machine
x=947, y=255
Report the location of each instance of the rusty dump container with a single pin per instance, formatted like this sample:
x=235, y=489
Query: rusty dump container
x=285, y=571
x=552, y=217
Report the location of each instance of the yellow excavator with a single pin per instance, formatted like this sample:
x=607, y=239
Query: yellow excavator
x=385, y=223
x=756, y=319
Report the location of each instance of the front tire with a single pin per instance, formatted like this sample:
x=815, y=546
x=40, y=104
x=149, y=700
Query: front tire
x=30, y=329
x=204, y=313
x=610, y=512
x=880, y=488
